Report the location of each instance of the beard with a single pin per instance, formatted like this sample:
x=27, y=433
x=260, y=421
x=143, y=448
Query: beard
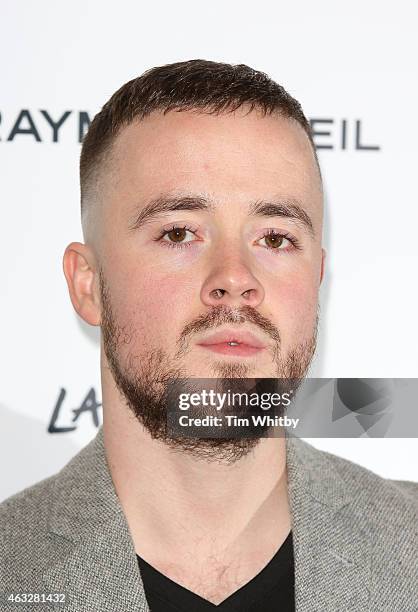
x=144, y=382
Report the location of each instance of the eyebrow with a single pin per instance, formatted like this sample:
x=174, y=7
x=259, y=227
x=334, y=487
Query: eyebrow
x=286, y=208
x=289, y=209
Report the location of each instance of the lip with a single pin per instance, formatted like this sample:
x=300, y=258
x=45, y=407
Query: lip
x=248, y=343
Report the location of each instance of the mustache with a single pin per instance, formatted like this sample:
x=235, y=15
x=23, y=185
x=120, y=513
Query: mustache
x=224, y=315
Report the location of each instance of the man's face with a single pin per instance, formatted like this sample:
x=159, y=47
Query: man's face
x=241, y=252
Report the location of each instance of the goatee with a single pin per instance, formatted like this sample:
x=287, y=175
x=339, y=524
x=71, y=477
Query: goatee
x=143, y=383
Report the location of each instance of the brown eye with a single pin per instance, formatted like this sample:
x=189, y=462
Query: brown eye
x=177, y=234
x=274, y=241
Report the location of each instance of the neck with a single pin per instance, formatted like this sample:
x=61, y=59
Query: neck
x=172, y=501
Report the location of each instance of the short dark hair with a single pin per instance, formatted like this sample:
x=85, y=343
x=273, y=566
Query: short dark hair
x=211, y=87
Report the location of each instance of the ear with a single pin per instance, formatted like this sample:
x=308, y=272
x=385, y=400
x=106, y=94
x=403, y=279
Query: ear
x=80, y=271
x=324, y=254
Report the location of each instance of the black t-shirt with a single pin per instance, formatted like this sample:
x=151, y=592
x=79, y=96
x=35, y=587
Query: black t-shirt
x=269, y=591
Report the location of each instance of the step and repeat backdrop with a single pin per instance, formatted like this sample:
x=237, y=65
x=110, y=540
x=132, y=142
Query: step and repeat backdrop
x=353, y=68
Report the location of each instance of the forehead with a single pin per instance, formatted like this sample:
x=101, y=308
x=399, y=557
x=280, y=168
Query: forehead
x=234, y=157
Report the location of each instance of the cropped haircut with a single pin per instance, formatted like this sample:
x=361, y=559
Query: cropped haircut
x=200, y=85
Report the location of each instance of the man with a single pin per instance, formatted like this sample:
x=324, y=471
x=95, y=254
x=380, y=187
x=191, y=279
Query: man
x=202, y=217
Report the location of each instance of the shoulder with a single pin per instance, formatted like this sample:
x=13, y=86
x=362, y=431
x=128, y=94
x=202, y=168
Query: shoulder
x=26, y=505
x=386, y=512
x=368, y=484
x=27, y=517
x=25, y=545
x=391, y=506
x=335, y=479
x=27, y=511
x=358, y=524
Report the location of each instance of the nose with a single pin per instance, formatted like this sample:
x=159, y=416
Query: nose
x=231, y=283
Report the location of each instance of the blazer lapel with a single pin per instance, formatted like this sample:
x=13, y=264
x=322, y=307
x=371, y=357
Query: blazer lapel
x=332, y=546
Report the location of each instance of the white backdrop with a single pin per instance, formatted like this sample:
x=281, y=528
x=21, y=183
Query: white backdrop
x=352, y=66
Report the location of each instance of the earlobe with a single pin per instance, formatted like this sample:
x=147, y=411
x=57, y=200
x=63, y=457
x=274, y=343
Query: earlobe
x=80, y=271
x=324, y=253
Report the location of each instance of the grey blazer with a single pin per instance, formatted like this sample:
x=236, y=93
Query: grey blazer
x=355, y=538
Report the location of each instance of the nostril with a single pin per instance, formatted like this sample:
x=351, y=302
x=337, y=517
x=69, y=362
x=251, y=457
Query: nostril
x=218, y=293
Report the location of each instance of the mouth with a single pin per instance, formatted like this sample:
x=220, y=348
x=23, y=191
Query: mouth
x=232, y=343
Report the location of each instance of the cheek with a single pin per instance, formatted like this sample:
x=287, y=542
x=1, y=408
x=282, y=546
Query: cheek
x=294, y=303
x=154, y=305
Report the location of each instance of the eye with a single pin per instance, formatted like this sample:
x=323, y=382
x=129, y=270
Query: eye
x=276, y=241
x=177, y=236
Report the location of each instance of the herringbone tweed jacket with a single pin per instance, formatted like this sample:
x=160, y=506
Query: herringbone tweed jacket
x=354, y=533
